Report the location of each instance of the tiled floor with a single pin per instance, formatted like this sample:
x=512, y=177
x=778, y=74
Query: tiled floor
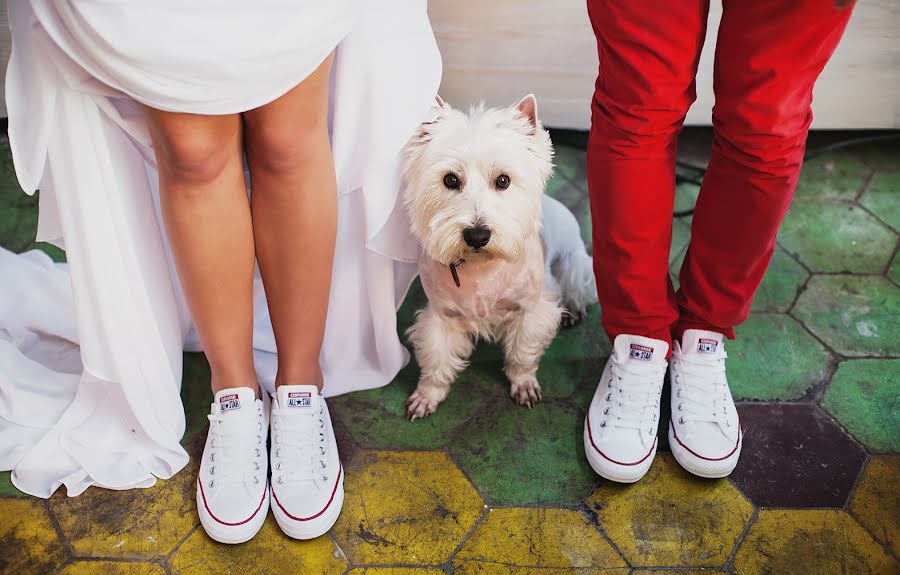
x=486, y=487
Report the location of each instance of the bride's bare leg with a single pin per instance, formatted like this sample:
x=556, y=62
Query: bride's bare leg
x=207, y=219
x=294, y=203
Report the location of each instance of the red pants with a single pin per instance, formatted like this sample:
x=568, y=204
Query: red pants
x=768, y=56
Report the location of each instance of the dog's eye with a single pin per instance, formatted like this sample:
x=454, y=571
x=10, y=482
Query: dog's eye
x=502, y=182
x=451, y=181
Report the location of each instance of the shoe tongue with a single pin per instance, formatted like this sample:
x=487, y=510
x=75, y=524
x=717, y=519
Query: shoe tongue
x=299, y=398
x=236, y=400
x=702, y=342
x=641, y=350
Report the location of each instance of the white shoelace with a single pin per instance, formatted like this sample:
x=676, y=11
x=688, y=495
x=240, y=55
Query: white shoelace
x=235, y=454
x=300, y=446
x=630, y=403
x=702, y=390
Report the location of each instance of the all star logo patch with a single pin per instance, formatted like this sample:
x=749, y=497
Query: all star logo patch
x=299, y=399
x=641, y=352
x=707, y=346
x=229, y=402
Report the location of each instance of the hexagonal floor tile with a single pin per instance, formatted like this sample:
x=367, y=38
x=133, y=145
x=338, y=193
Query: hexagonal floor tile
x=574, y=197
x=112, y=568
x=836, y=176
x=854, y=315
x=395, y=571
x=537, y=539
x=863, y=397
x=880, y=155
x=894, y=271
x=795, y=456
x=7, y=489
x=405, y=508
x=780, y=285
x=671, y=518
x=773, y=357
x=196, y=395
x=270, y=551
x=810, y=541
x=837, y=238
x=520, y=456
x=575, y=356
x=135, y=523
x=881, y=198
x=28, y=541
x=876, y=504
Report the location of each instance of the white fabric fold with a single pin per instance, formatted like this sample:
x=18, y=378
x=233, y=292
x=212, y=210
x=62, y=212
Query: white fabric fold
x=91, y=351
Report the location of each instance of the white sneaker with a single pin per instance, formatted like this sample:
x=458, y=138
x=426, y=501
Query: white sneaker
x=307, y=476
x=704, y=432
x=232, y=486
x=620, y=427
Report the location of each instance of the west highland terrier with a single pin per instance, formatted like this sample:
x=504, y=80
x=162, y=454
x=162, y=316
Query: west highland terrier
x=499, y=260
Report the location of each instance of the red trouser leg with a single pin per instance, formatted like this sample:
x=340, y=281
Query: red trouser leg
x=768, y=57
x=648, y=59
x=769, y=54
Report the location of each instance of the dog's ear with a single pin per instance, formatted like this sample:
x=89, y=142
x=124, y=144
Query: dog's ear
x=527, y=108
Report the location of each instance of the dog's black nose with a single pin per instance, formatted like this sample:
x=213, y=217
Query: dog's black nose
x=477, y=237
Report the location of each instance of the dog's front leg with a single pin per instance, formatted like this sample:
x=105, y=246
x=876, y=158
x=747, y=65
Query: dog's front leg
x=526, y=338
x=442, y=348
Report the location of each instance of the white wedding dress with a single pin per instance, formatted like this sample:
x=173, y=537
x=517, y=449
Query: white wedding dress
x=91, y=351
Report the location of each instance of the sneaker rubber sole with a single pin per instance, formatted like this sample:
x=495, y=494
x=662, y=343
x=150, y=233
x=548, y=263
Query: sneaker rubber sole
x=710, y=468
x=614, y=470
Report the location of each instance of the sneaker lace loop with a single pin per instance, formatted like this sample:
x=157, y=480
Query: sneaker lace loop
x=700, y=393
x=234, y=451
x=630, y=402
x=300, y=446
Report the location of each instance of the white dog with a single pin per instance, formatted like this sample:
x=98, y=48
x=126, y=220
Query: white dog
x=499, y=259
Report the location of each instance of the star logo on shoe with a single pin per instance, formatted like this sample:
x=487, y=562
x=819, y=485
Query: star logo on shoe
x=229, y=402
x=641, y=352
x=707, y=346
x=299, y=399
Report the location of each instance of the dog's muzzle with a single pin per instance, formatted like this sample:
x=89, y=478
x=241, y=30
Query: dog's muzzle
x=477, y=237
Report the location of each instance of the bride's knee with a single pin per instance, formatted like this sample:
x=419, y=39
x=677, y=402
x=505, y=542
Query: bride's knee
x=288, y=146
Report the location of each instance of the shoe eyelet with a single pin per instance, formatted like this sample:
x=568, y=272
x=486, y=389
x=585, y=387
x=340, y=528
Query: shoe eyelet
x=323, y=464
x=256, y=466
x=324, y=478
x=679, y=406
x=608, y=396
x=212, y=470
x=321, y=437
x=212, y=457
x=606, y=411
x=255, y=480
x=212, y=444
x=211, y=483
x=280, y=479
x=681, y=420
x=322, y=449
x=321, y=424
x=278, y=452
x=602, y=424
x=258, y=439
x=258, y=453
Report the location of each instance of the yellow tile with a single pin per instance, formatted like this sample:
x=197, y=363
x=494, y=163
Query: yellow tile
x=680, y=572
x=409, y=508
x=396, y=571
x=112, y=568
x=28, y=541
x=478, y=568
x=529, y=538
x=671, y=518
x=876, y=504
x=271, y=552
x=810, y=541
x=136, y=523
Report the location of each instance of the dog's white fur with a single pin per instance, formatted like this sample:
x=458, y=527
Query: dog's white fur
x=523, y=281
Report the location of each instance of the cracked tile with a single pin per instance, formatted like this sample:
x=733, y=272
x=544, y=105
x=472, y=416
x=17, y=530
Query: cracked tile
x=882, y=198
x=780, y=285
x=112, y=568
x=864, y=396
x=405, y=508
x=671, y=518
x=28, y=541
x=876, y=504
x=836, y=176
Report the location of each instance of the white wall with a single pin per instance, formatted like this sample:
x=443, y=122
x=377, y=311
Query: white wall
x=499, y=50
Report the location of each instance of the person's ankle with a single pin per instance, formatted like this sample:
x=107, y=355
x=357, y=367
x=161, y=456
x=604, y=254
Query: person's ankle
x=307, y=376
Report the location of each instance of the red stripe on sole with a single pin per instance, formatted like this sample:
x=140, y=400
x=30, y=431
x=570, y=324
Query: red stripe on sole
x=697, y=455
x=311, y=517
x=587, y=420
x=208, y=510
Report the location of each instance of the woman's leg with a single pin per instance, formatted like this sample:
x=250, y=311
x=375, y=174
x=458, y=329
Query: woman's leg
x=207, y=219
x=294, y=204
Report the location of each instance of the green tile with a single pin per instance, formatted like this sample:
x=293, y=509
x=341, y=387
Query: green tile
x=196, y=394
x=568, y=161
x=837, y=238
x=882, y=198
x=894, y=271
x=855, y=315
x=781, y=283
x=518, y=456
x=7, y=489
x=883, y=155
x=837, y=176
x=774, y=358
x=864, y=396
x=575, y=356
x=376, y=418
x=685, y=196
x=681, y=236
x=576, y=199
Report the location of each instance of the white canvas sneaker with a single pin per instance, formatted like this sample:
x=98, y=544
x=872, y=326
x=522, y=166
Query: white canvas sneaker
x=620, y=427
x=232, y=486
x=704, y=432
x=307, y=476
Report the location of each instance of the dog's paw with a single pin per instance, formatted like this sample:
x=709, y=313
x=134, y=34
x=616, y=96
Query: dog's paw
x=527, y=392
x=418, y=406
x=571, y=317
